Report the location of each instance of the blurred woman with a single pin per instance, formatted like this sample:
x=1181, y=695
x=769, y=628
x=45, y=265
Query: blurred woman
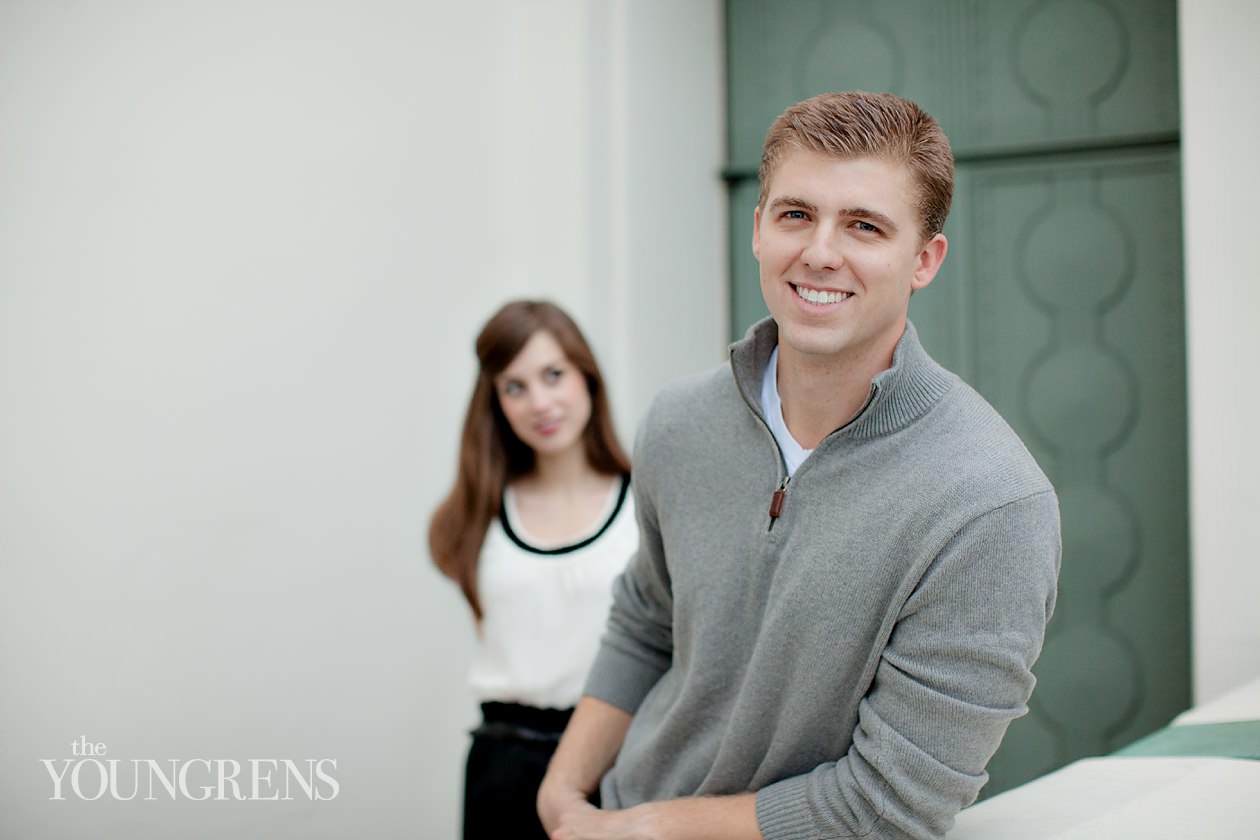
x=538, y=523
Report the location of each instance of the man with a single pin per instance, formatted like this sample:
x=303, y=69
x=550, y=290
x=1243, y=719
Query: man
x=847, y=558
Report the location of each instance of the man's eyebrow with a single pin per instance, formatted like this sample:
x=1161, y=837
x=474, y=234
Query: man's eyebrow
x=873, y=216
x=786, y=201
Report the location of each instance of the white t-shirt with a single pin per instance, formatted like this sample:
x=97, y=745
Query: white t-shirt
x=544, y=609
x=772, y=408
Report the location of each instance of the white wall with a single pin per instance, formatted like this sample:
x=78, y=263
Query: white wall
x=1221, y=169
x=244, y=248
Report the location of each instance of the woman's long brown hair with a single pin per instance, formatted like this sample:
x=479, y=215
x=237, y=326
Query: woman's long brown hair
x=490, y=453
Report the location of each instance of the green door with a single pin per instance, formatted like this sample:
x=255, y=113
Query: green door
x=1061, y=299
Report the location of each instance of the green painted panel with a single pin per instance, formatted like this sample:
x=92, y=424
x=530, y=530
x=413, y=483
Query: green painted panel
x=1061, y=300
x=747, y=305
x=998, y=74
x=1074, y=321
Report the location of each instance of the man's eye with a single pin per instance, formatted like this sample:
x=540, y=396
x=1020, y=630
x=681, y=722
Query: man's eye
x=794, y=215
x=865, y=227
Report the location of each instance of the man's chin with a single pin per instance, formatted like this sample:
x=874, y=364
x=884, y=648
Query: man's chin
x=814, y=341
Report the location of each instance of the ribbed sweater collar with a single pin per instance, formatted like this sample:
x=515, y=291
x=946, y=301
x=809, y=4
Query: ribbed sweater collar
x=903, y=393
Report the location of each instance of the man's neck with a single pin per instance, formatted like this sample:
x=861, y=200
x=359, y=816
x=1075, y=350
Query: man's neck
x=820, y=394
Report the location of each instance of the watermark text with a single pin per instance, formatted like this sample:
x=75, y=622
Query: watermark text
x=91, y=774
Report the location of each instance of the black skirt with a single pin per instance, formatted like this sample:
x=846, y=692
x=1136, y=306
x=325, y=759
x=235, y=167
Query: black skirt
x=506, y=762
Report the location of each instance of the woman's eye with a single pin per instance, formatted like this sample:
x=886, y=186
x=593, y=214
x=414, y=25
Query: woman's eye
x=511, y=389
x=553, y=374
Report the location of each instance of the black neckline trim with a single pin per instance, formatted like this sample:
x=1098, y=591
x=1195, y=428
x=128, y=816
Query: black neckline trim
x=565, y=549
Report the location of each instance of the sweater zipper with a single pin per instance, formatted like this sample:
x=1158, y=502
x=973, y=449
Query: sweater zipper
x=779, y=497
x=776, y=501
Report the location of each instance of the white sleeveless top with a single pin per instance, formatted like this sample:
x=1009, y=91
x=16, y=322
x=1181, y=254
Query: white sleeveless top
x=544, y=609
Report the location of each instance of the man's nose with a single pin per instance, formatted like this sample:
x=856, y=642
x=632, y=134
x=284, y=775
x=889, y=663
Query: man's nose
x=822, y=252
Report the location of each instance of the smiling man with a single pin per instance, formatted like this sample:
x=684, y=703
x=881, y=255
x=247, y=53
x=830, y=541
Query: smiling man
x=847, y=559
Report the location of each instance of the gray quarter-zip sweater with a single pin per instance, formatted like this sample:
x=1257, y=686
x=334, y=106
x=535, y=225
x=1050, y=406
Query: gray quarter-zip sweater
x=856, y=659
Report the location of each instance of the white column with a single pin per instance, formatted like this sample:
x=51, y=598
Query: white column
x=1219, y=67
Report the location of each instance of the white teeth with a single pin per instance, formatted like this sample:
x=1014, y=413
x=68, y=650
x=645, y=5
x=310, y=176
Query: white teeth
x=820, y=297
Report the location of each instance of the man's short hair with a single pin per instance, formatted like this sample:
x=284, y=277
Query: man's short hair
x=856, y=124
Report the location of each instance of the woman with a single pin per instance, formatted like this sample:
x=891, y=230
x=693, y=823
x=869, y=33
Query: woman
x=538, y=524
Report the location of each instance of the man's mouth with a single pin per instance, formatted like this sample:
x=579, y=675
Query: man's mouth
x=819, y=296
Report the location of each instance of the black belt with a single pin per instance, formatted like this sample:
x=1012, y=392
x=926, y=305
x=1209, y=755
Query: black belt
x=529, y=723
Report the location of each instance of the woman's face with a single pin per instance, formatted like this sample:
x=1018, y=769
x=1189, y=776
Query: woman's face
x=544, y=397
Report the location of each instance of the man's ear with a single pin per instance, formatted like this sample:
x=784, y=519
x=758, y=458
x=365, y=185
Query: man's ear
x=756, y=243
x=929, y=260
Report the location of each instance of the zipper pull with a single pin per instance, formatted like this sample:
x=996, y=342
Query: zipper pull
x=776, y=501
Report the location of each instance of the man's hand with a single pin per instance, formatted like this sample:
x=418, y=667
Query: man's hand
x=694, y=818
x=590, y=823
x=586, y=751
x=558, y=800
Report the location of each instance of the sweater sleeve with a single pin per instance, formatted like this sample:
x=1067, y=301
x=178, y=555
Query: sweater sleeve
x=638, y=644
x=955, y=671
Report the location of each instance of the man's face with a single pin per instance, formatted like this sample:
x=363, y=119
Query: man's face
x=840, y=248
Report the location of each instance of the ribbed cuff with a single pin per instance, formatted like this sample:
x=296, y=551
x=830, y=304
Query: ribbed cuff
x=780, y=808
x=621, y=678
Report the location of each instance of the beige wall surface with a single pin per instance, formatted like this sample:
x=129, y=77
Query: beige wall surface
x=244, y=249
